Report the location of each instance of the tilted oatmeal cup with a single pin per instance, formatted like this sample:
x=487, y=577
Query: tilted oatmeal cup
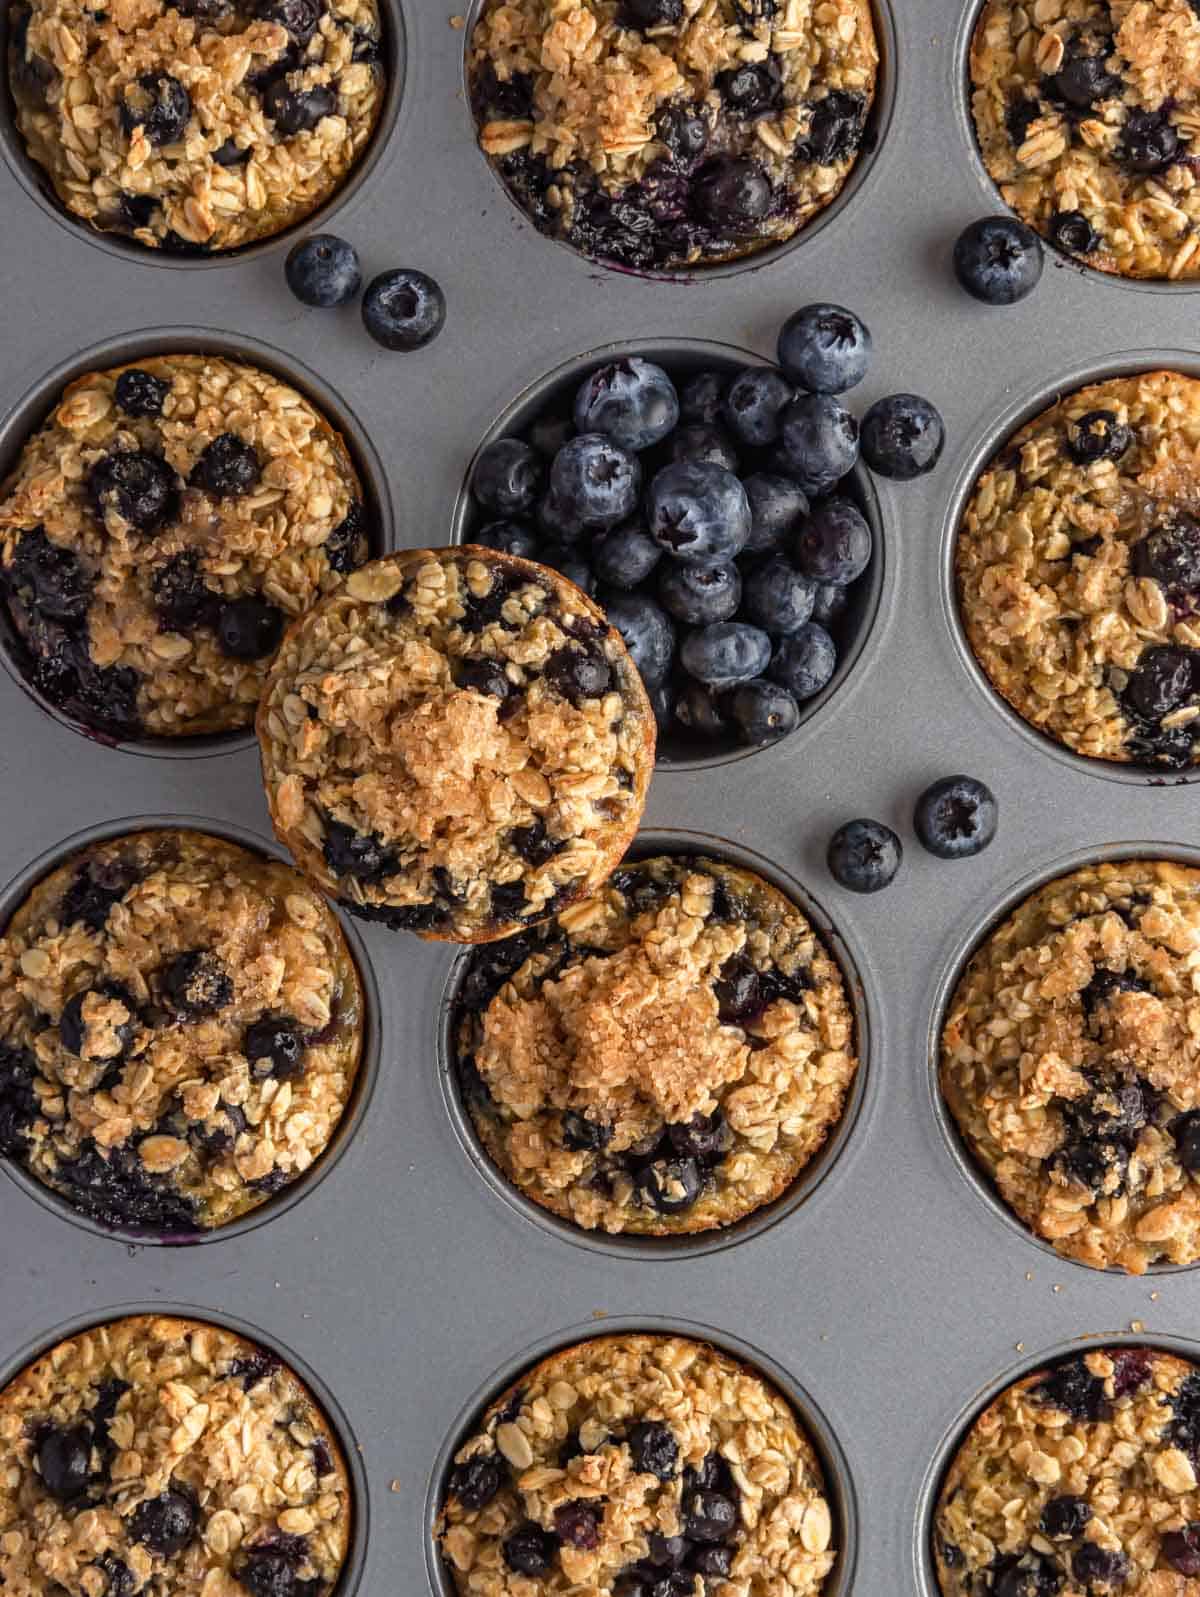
x=629, y=1461
x=156, y=1453
x=456, y=743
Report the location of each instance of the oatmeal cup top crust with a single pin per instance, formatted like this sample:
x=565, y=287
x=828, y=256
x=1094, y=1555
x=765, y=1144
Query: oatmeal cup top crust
x=180, y=1031
x=1086, y=112
x=704, y=136
x=154, y=1455
x=628, y=1456
x=157, y=532
x=1078, y=1479
x=1071, y=1063
x=1077, y=566
x=664, y=1058
x=456, y=744
x=198, y=125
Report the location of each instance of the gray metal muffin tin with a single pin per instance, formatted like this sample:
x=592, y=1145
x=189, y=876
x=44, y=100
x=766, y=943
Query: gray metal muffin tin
x=892, y=1294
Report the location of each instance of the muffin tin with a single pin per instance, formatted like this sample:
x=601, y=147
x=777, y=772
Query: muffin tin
x=888, y=1298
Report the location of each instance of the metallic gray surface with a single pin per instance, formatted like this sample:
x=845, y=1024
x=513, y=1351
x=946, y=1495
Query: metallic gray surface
x=892, y=1294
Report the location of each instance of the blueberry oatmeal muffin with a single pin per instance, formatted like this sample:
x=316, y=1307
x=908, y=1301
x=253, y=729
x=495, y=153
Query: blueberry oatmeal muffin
x=152, y=1456
x=1078, y=1480
x=180, y=1029
x=637, y=1466
x=1069, y=1061
x=1085, y=112
x=663, y=1058
x=1078, y=571
x=195, y=125
x=670, y=133
x=456, y=744
x=159, y=530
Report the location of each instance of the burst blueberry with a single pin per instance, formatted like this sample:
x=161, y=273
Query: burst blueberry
x=159, y=105
x=297, y=110
x=140, y=393
x=135, y=485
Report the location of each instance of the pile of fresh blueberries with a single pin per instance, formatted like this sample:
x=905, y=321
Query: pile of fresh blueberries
x=711, y=514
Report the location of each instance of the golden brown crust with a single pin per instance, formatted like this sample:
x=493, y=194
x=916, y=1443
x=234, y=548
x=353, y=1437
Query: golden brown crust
x=589, y=1397
x=362, y=724
x=175, y=1405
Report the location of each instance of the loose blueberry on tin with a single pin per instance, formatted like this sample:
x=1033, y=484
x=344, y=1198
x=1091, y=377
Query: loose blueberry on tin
x=998, y=260
x=902, y=436
x=323, y=271
x=403, y=309
x=956, y=817
x=864, y=856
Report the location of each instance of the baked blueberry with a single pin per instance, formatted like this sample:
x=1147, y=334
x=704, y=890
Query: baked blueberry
x=508, y=477
x=864, y=855
x=594, y=482
x=902, y=436
x=1171, y=554
x=196, y=984
x=165, y=1524
x=1165, y=678
x=698, y=512
x=824, y=349
x=684, y=129
x=625, y=556
x=763, y=712
x=819, y=441
x=804, y=661
x=631, y=400
x=1064, y=1518
x=299, y=17
x=249, y=629
x=477, y=1481
x=1181, y=1549
x=227, y=467
x=64, y=1454
x=509, y=537
x=72, y=1028
x=140, y=393
x=670, y=1185
x=136, y=486
x=709, y=1516
x=1149, y=141
x=354, y=854
x=1099, y=1568
x=530, y=1550
x=652, y=13
x=182, y=598
x=777, y=597
x=159, y=105
x=50, y=579
x=956, y=817
x=998, y=260
x=698, y=441
x=653, y=1449
x=835, y=130
x=702, y=396
x=732, y=192
x=578, y=1524
x=323, y=271
x=403, y=309
x=698, y=595
x=1083, y=78
x=834, y=543
x=777, y=505
x=297, y=110
x=754, y=403
x=1071, y=231
x=579, y=674
x=1097, y=435
x=725, y=654
x=274, y=1046
x=647, y=633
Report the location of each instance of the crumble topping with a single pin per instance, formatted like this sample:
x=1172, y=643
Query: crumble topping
x=628, y=1452
x=152, y=1455
x=456, y=744
x=1071, y=1064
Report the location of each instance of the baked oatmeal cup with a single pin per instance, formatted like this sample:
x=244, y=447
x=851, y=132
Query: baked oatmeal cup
x=1086, y=112
x=1077, y=565
x=1078, y=1479
x=1070, y=1061
x=195, y=126
x=630, y=1465
x=662, y=1059
x=672, y=133
x=155, y=1455
x=159, y=530
x=456, y=743
x=180, y=1030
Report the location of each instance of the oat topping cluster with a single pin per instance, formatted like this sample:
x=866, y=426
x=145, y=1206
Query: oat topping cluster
x=1078, y=1479
x=1078, y=570
x=1070, y=1062
x=663, y=1058
x=160, y=529
x=150, y=1456
x=195, y=125
x=672, y=132
x=1086, y=112
x=626, y=1463
x=456, y=743
x=180, y=1028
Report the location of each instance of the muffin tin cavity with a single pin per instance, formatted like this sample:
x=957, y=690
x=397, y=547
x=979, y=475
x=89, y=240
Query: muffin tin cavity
x=541, y=418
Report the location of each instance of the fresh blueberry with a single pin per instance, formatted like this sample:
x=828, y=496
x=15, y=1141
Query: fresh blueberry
x=763, y=712
x=998, y=260
x=297, y=110
x=137, y=486
x=1149, y=141
x=529, y=1550
x=625, y=556
x=507, y=477
x=568, y=562
x=834, y=544
x=829, y=602
x=556, y=523
x=403, y=309
x=159, y=105
x=698, y=710
x=139, y=393
x=648, y=633
x=550, y=432
x=726, y=654
x=510, y=537
x=227, y=467
x=197, y=983
x=1097, y=435
x=64, y=1456
x=732, y=192
x=777, y=597
x=777, y=505
x=835, y=130
x=698, y=512
x=662, y=702
x=1071, y=232
x=280, y=1043
x=594, y=482
x=709, y=1516
x=632, y=401
x=819, y=441
x=698, y=595
x=249, y=629
x=902, y=436
x=653, y=1449
x=323, y=271
x=477, y=1481
x=754, y=402
x=805, y=661
x=1064, y=1518
x=701, y=397
x=698, y=441
x=864, y=855
x=1171, y=554
x=164, y=1524
x=824, y=349
x=956, y=817
x=653, y=13
x=1166, y=678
